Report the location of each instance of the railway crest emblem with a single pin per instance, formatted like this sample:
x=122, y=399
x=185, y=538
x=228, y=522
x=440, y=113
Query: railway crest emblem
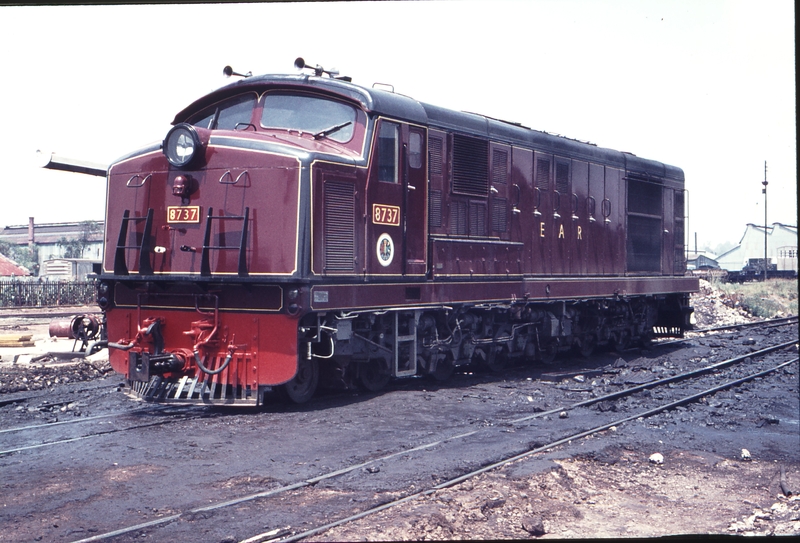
x=385, y=249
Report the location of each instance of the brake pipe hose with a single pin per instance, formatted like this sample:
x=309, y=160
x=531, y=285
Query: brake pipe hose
x=216, y=371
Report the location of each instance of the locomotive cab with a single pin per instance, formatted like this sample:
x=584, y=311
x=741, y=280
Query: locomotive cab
x=208, y=236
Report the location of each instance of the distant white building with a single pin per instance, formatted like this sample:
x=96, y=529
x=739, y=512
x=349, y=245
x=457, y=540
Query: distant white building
x=68, y=268
x=781, y=248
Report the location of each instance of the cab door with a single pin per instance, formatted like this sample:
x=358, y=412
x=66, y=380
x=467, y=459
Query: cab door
x=397, y=201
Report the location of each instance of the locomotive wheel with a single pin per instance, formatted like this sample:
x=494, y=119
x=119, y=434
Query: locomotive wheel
x=372, y=376
x=587, y=345
x=497, y=359
x=303, y=385
x=444, y=368
x=623, y=341
x=547, y=354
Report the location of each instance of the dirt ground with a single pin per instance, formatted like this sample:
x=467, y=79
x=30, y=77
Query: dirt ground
x=616, y=492
x=605, y=486
x=613, y=495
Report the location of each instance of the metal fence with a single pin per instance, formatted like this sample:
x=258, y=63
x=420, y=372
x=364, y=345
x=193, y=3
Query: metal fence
x=47, y=294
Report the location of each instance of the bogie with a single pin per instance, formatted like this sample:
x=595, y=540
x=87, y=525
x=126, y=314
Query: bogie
x=489, y=336
x=301, y=387
x=374, y=374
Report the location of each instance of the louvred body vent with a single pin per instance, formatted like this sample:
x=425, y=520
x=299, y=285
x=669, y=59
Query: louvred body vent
x=339, y=226
x=470, y=166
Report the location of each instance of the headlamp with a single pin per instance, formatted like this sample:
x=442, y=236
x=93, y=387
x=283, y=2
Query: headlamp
x=182, y=146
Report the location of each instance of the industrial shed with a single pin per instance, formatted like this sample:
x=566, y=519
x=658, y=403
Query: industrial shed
x=781, y=248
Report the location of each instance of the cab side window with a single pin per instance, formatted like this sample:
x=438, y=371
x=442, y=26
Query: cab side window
x=414, y=149
x=388, y=149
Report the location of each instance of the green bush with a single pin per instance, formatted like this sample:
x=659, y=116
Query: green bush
x=776, y=297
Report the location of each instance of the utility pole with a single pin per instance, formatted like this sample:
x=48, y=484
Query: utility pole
x=764, y=190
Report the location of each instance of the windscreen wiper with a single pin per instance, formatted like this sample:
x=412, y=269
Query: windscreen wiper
x=331, y=130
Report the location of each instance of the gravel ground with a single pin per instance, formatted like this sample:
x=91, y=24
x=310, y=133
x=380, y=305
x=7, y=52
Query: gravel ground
x=713, y=308
x=616, y=491
x=603, y=486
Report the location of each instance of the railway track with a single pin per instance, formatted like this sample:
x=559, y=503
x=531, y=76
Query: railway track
x=754, y=324
x=36, y=436
x=46, y=395
x=32, y=433
x=528, y=428
x=495, y=465
x=706, y=332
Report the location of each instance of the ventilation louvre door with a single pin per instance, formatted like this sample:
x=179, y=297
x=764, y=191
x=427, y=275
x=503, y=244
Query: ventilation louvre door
x=339, y=227
x=595, y=250
x=561, y=232
x=542, y=214
x=499, y=208
x=579, y=217
x=645, y=227
x=437, y=210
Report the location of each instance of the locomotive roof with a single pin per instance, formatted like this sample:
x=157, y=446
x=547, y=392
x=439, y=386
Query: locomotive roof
x=403, y=107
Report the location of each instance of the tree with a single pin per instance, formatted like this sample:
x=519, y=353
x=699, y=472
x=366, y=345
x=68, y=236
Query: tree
x=22, y=255
x=73, y=248
x=723, y=248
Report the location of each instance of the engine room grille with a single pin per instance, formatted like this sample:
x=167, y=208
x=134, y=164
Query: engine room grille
x=644, y=197
x=477, y=219
x=435, y=209
x=435, y=161
x=470, y=166
x=562, y=178
x=543, y=174
x=499, y=166
x=499, y=214
x=458, y=218
x=339, y=226
x=644, y=244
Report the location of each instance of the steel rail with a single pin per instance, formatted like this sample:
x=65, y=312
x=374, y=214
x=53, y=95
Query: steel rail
x=95, y=434
x=286, y=488
x=767, y=324
x=526, y=454
x=659, y=382
x=782, y=320
x=83, y=419
x=17, y=397
x=79, y=438
x=348, y=469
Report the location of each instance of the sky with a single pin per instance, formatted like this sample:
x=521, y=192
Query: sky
x=705, y=85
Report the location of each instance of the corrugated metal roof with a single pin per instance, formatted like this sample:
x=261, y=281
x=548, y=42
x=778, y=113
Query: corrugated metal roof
x=8, y=267
x=49, y=232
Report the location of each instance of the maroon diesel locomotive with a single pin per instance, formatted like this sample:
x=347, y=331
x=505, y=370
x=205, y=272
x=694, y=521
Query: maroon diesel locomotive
x=298, y=229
